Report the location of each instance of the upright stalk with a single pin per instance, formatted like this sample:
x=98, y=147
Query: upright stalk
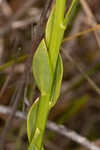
x=48, y=71
x=57, y=32
x=55, y=42
x=42, y=118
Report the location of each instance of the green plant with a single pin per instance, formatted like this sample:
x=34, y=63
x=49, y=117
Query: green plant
x=48, y=70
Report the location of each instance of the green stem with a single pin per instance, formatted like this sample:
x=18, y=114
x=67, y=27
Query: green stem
x=57, y=33
x=42, y=118
x=56, y=39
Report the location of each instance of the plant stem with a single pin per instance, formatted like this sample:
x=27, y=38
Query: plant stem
x=57, y=33
x=56, y=39
x=42, y=118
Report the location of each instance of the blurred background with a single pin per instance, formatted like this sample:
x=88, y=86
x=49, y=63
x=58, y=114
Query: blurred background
x=78, y=107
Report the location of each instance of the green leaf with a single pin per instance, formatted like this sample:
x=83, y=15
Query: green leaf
x=42, y=69
x=32, y=132
x=49, y=27
x=31, y=120
x=32, y=145
x=57, y=82
x=41, y=120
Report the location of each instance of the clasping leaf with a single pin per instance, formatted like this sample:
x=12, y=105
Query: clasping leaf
x=42, y=69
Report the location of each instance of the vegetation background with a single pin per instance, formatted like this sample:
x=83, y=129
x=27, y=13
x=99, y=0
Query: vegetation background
x=78, y=107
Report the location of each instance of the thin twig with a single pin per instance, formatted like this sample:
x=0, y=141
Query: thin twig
x=71, y=135
x=8, y=110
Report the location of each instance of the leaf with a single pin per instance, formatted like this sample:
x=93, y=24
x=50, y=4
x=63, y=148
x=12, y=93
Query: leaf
x=32, y=145
x=57, y=82
x=31, y=120
x=32, y=132
x=42, y=69
x=49, y=27
x=59, y=68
